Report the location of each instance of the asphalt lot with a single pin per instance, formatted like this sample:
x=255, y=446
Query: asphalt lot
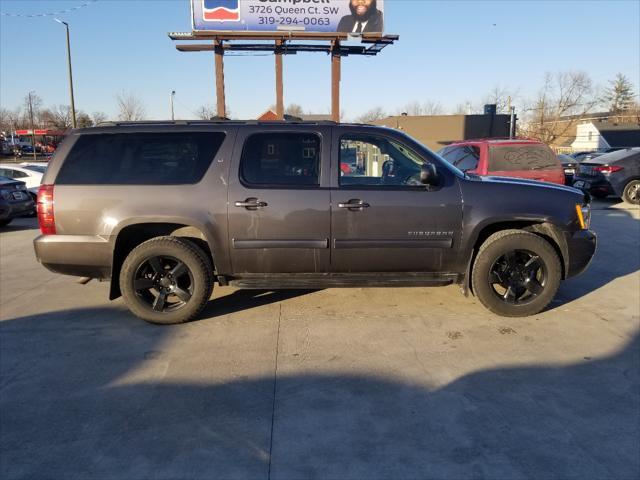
x=353, y=383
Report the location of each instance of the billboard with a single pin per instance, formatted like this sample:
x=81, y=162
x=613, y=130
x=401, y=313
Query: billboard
x=316, y=16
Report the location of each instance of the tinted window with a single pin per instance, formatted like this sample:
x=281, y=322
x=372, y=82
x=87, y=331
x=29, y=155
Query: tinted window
x=378, y=161
x=281, y=159
x=521, y=157
x=14, y=173
x=465, y=158
x=140, y=158
x=36, y=168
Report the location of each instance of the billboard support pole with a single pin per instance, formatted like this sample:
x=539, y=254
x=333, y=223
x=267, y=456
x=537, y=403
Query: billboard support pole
x=279, y=86
x=220, y=97
x=335, y=81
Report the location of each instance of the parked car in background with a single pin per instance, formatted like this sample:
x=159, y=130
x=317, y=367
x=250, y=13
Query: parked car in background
x=616, y=173
x=5, y=148
x=519, y=158
x=29, y=173
x=581, y=156
x=569, y=166
x=15, y=201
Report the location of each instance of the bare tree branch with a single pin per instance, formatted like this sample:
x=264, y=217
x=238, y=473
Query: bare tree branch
x=130, y=107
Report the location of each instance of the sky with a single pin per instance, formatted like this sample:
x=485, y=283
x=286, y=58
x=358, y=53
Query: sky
x=449, y=52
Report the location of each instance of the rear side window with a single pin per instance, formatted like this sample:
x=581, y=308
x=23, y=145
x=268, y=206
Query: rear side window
x=140, y=158
x=287, y=159
x=465, y=158
x=521, y=157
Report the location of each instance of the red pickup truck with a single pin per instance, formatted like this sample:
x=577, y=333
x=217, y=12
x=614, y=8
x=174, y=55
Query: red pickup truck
x=520, y=158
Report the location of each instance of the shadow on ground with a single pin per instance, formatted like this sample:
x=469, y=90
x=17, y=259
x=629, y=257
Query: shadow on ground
x=240, y=300
x=94, y=394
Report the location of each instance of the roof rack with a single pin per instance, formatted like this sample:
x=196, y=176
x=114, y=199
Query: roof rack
x=213, y=121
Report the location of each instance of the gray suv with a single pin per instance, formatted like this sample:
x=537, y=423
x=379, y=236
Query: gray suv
x=166, y=209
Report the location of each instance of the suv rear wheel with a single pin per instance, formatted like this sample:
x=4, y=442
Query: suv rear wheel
x=631, y=193
x=516, y=273
x=166, y=280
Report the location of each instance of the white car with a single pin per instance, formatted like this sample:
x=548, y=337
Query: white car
x=30, y=173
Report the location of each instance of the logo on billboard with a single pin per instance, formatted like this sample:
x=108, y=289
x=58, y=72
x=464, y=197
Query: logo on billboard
x=220, y=10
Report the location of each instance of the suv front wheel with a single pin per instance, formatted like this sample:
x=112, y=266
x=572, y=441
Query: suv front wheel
x=166, y=280
x=516, y=273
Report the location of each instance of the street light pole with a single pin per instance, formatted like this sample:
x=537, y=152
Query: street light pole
x=73, y=106
x=173, y=94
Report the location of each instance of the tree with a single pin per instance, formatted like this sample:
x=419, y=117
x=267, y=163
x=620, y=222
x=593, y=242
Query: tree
x=294, y=110
x=369, y=116
x=206, y=112
x=83, y=120
x=563, y=99
x=9, y=119
x=500, y=97
x=619, y=97
x=429, y=107
x=58, y=117
x=98, y=117
x=32, y=107
x=130, y=107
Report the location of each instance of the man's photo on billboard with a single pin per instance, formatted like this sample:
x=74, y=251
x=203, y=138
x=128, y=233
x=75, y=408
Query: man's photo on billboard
x=365, y=18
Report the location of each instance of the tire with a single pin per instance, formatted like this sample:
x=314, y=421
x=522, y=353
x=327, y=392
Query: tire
x=5, y=222
x=166, y=280
x=516, y=273
x=631, y=192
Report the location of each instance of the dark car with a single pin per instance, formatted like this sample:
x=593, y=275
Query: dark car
x=581, y=156
x=166, y=209
x=569, y=166
x=616, y=173
x=519, y=158
x=15, y=200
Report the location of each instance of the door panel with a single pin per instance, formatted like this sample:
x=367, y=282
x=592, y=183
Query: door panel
x=277, y=228
x=395, y=226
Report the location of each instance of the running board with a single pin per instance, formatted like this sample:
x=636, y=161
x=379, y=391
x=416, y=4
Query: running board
x=338, y=280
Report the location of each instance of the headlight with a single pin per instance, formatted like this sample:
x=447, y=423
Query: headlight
x=583, y=212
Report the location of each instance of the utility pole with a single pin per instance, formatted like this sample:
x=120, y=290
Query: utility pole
x=73, y=106
x=173, y=94
x=33, y=128
x=512, y=121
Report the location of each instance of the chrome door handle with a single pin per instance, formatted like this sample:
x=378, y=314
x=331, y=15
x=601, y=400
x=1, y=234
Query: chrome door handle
x=251, y=203
x=355, y=204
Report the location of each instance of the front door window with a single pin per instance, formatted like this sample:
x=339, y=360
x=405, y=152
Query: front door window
x=377, y=161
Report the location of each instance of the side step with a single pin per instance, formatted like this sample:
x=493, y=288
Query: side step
x=338, y=280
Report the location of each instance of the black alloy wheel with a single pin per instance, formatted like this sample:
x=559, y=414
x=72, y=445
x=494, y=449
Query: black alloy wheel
x=518, y=277
x=516, y=273
x=164, y=283
x=166, y=280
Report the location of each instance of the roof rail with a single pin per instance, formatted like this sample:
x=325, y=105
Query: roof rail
x=213, y=121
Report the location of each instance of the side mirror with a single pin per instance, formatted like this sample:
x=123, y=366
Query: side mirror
x=428, y=174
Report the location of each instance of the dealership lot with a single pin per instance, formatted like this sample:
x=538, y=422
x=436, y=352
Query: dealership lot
x=353, y=383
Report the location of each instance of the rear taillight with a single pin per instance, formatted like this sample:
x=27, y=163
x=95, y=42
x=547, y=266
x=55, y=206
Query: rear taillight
x=46, y=218
x=607, y=168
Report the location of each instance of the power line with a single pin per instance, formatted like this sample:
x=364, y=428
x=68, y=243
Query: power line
x=48, y=14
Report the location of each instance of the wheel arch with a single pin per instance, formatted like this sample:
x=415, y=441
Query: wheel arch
x=550, y=232
x=133, y=235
